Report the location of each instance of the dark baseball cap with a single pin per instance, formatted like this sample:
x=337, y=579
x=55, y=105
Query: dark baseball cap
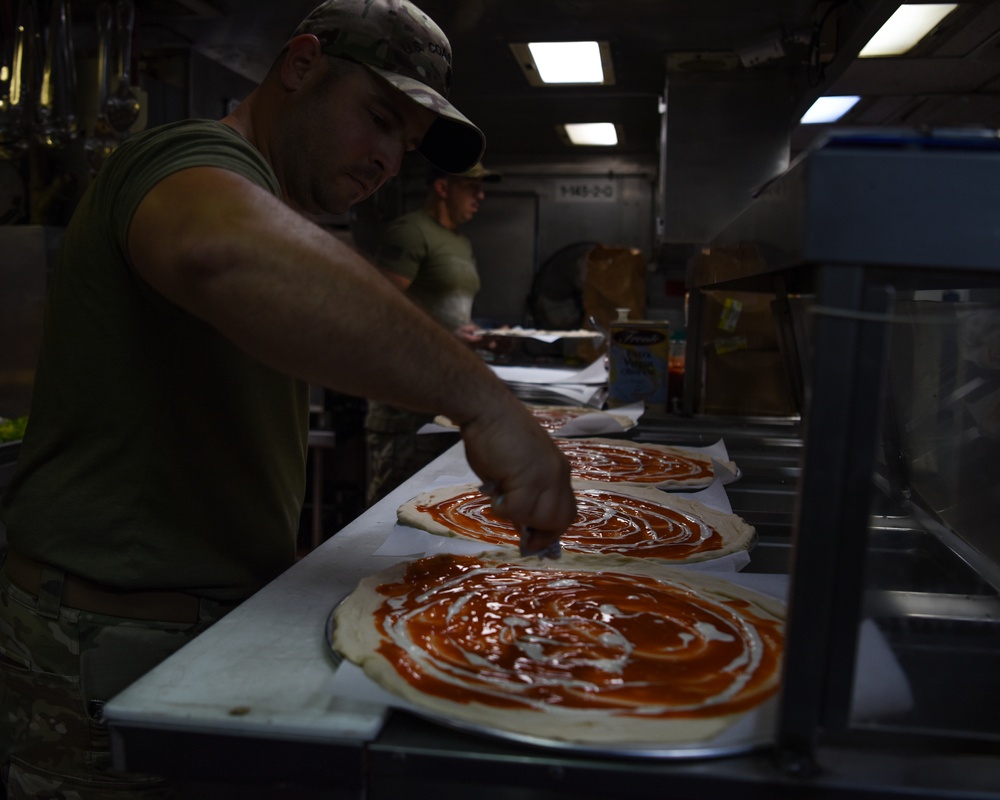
x=400, y=43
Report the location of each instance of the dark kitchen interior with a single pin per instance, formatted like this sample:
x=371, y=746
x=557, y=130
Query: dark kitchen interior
x=865, y=254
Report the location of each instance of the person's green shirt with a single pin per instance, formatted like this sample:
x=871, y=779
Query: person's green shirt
x=157, y=453
x=438, y=261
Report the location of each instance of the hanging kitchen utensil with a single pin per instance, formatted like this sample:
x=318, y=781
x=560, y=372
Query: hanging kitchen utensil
x=56, y=119
x=6, y=116
x=24, y=81
x=122, y=106
x=99, y=146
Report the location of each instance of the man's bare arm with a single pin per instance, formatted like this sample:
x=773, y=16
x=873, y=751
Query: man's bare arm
x=297, y=299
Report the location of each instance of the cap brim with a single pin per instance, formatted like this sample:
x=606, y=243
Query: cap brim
x=479, y=172
x=452, y=143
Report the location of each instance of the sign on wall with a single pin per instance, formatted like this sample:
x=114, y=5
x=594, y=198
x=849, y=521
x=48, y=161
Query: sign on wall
x=586, y=190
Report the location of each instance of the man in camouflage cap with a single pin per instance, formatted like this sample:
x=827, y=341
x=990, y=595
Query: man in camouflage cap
x=400, y=43
x=161, y=476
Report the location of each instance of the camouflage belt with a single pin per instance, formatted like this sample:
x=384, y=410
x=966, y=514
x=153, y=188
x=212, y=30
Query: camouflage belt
x=83, y=595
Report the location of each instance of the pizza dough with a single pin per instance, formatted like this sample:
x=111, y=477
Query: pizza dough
x=552, y=418
x=612, y=519
x=654, y=465
x=577, y=650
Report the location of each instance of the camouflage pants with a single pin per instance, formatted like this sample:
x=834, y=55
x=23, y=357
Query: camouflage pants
x=57, y=667
x=396, y=451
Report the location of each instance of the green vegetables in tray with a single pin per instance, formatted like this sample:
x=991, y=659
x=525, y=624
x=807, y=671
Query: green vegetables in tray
x=12, y=429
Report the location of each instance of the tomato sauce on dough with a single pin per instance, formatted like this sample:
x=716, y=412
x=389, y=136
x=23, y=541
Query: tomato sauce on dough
x=506, y=635
x=607, y=522
x=602, y=461
x=552, y=419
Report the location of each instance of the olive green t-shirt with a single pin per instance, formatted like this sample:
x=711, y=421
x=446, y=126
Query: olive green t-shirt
x=441, y=266
x=157, y=455
x=438, y=261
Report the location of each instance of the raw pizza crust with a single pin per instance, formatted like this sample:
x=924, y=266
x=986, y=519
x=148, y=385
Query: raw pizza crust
x=554, y=603
x=644, y=475
x=736, y=534
x=552, y=418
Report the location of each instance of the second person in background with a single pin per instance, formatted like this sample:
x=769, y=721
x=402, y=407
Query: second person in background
x=424, y=254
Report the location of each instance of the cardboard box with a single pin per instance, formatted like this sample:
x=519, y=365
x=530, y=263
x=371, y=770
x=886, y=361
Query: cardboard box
x=744, y=370
x=736, y=315
x=747, y=383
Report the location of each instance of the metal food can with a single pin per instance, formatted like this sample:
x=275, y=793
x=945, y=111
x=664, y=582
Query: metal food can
x=639, y=363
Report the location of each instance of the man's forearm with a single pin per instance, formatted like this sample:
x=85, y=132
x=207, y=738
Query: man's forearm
x=298, y=299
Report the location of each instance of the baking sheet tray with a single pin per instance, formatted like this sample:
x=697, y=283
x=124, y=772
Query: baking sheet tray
x=881, y=689
x=753, y=731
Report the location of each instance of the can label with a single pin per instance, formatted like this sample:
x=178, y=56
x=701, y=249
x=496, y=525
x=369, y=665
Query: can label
x=639, y=363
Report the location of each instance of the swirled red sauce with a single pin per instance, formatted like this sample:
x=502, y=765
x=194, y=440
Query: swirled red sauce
x=607, y=522
x=509, y=636
x=553, y=418
x=602, y=461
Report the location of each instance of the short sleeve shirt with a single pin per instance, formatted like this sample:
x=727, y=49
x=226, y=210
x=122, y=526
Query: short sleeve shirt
x=158, y=455
x=439, y=262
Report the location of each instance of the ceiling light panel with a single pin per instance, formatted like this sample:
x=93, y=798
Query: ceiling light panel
x=592, y=134
x=829, y=109
x=565, y=63
x=905, y=28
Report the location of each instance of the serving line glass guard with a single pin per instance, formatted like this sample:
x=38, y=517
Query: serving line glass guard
x=887, y=248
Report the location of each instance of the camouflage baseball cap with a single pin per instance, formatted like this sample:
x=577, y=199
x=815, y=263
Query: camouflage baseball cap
x=400, y=43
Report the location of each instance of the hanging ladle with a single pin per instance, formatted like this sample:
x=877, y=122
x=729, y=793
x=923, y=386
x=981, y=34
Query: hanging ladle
x=56, y=121
x=122, y=106
x=99, y=146
x=17, y=103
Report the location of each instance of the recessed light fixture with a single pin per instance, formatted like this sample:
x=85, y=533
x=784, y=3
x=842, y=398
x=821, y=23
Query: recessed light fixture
x=829, y=109
x=908, y=25
x=565, y=63
x=600, y=134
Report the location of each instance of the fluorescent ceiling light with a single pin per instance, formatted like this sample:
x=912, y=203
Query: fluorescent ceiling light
x=592, y=133
x=567, y=62
x=829, y=109
x=907, y=26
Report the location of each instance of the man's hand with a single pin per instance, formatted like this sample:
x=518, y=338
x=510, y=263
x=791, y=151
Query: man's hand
x=523, y=469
